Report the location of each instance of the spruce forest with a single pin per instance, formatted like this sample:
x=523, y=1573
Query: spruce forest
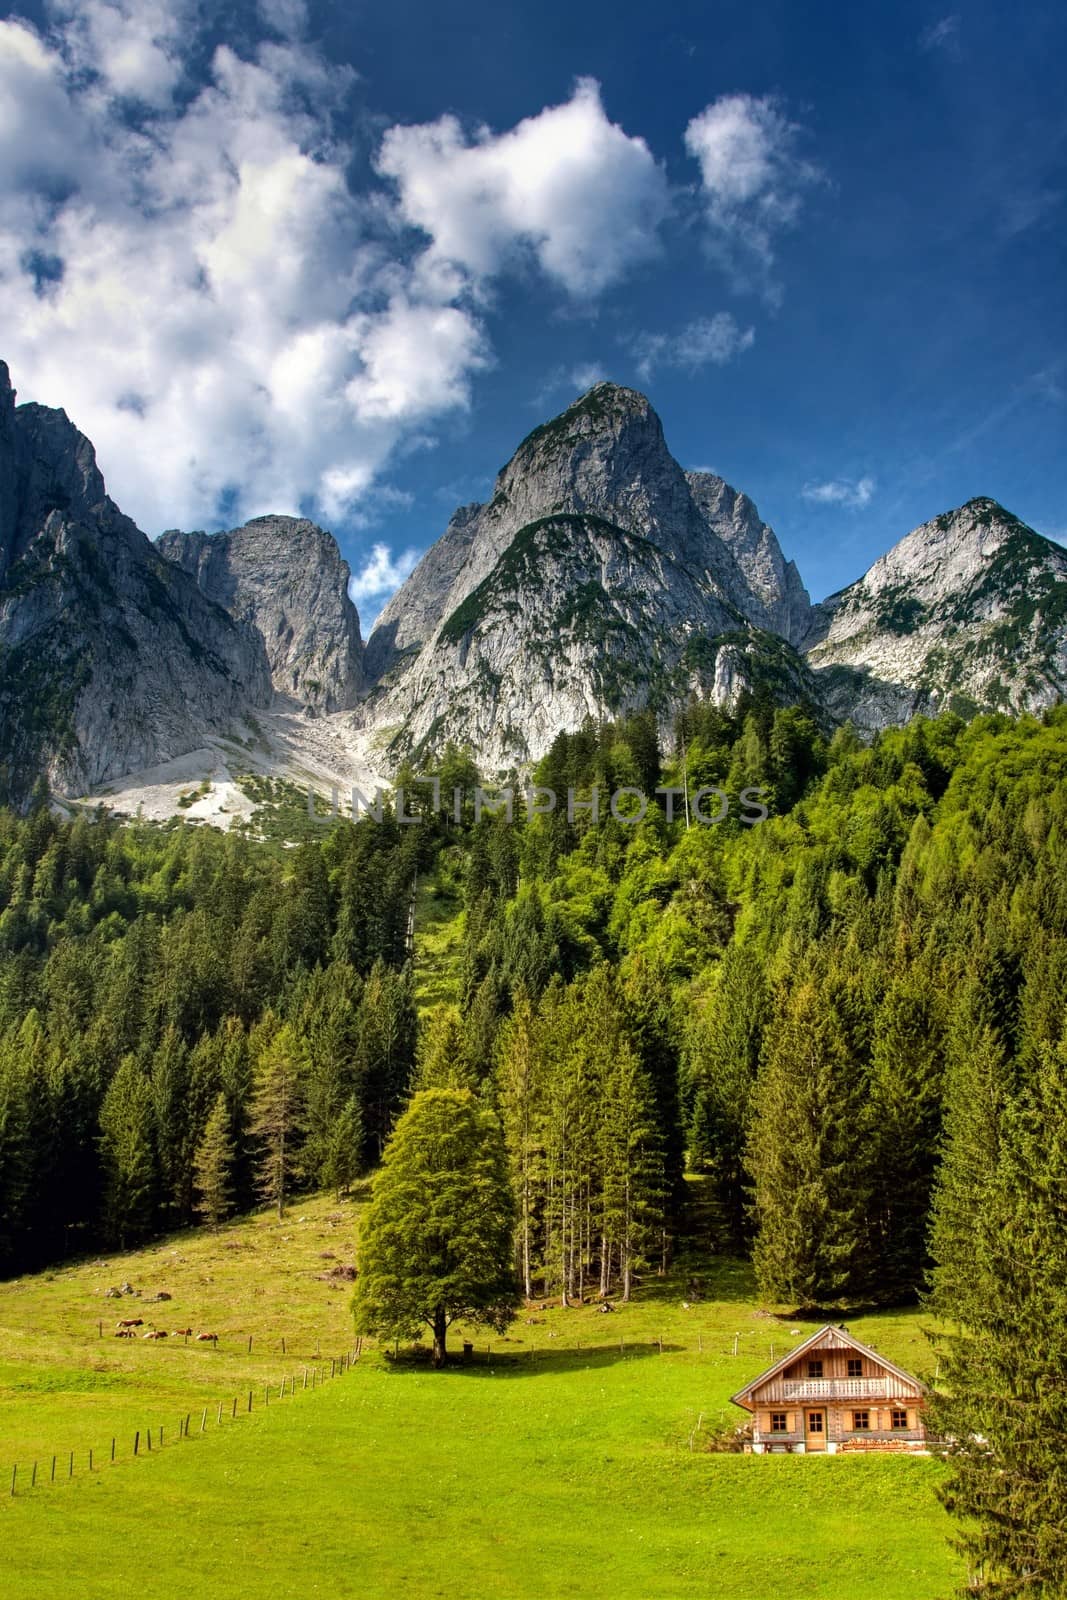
x=847, y=1017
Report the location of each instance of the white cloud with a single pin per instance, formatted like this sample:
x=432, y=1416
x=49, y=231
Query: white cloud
x=851, y=493
x=219, y=313
x=715, y=340
x=943, y=35
x=752, y=179
x=567, y=185
x=287, y=17
x=380, y=576
x=583, y=376
x=186, y=269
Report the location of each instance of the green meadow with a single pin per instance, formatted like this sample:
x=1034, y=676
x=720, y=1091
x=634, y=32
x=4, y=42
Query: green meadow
x=569, y=1457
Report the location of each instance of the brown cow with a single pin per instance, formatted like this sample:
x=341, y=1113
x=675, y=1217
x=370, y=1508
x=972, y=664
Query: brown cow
x=155, y=1333
x=183, y=1333
x=130, y=1322
x=208, y=1338
x=124, y=1333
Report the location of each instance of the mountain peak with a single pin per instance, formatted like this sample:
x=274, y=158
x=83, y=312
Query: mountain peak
x=285, y=575
x=968, y=611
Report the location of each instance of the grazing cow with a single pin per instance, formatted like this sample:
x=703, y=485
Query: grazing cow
x=183, y=1333
x=130, y=1322
x=124, y=1333
x=208, y=1338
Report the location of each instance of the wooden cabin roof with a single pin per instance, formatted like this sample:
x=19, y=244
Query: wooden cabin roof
x=828, y=1337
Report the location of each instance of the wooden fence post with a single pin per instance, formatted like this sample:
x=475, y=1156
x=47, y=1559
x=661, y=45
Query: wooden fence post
x=14, y=1471
x=249, y=1399
x=233, y=1413
x=53, y=1478
x=203, y=1420
x=136, y=1441
x=33, y=1476
x=112, y=1449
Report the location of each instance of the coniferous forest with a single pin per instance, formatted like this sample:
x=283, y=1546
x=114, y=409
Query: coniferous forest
x=849, y=1018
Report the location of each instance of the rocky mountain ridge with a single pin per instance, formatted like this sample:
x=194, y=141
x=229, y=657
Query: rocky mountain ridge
x=285, y=577
x=967, y=612
x=110, y=657
x=600, y=577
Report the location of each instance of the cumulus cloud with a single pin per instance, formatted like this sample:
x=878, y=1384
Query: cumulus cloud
x=380, y=576
x=752, y=179
x=567, y=186
x=709, y=340
x=187, y=270
x=853, y=494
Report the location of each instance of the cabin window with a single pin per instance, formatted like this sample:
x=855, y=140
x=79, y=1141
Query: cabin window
x=861, y=1421
x=814, y=1369
x=778, y=1422
x=855, y=1367
x=900, y=1419
x=814, y=1421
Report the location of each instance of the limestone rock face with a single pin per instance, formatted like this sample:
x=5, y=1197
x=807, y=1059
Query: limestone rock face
x=599, y=578
x=767, y=586
x=110, y=657
x=285, y=577
x=966, y=613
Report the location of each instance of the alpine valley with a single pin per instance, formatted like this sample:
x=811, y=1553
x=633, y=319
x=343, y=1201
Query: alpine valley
x=600, y=578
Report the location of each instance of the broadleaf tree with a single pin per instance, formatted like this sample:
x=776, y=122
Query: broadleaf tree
x=436, y=1243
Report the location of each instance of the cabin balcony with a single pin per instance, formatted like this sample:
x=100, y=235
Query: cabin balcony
x=835, y=1389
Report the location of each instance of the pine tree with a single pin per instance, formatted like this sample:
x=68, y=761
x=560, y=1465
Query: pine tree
x=905, y=1122
x=1003, y=1402
x=722, y=1058
x=520, y=1077
x=213, y=1166
x=631, y=1156
x=342, y=1164
x=276, y=1119
x=807, y=1158
x=126, y=1149
x=979, y=1082
x=442, y=1056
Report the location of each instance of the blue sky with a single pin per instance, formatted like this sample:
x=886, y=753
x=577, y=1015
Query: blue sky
x=340, y=258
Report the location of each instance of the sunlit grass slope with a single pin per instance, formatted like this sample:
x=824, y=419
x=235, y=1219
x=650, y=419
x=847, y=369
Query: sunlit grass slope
x=566, y=1458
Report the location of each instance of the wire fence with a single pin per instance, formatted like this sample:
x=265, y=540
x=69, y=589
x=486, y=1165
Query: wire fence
x=67, y=1464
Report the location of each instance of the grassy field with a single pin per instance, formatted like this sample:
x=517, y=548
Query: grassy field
x=569, y=1457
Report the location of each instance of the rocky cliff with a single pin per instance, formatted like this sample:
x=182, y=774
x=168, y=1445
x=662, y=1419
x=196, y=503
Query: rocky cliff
x=599, y=578
x=110, y=657
x=285, y=577
x=968, y=613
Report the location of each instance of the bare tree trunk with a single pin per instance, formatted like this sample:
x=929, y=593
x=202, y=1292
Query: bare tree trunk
x=526, y=1283
x=440, y=1331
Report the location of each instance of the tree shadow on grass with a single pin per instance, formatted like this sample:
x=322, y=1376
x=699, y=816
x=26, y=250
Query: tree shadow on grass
x=494, y=1363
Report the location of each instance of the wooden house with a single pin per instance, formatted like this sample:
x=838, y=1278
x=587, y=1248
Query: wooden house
x=833, y=1394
